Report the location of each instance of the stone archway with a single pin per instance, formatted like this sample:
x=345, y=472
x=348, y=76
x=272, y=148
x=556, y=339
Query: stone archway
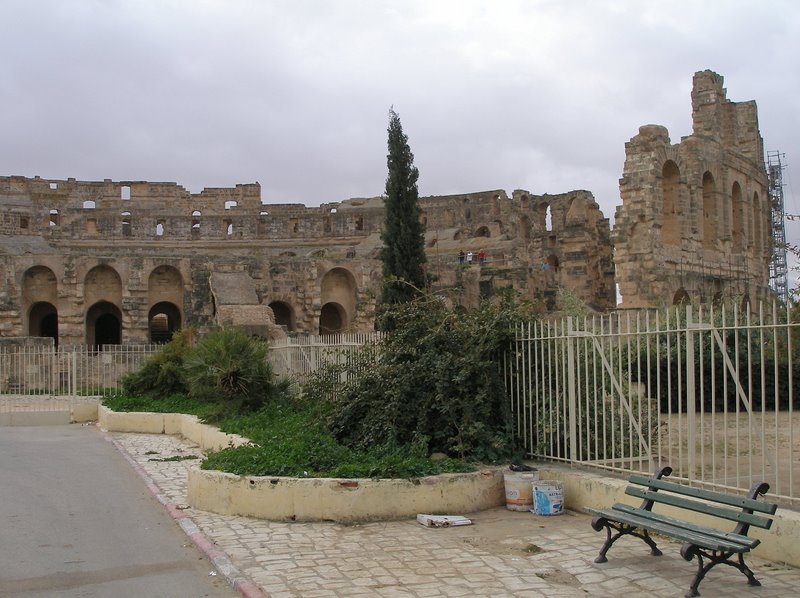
x=284, y=314
x=43, y=321
x=165, y=284
x=39, y=300
x=332, y=318
x=338, y=300
x=162, y=321
x=103, y=325
x=102, y=283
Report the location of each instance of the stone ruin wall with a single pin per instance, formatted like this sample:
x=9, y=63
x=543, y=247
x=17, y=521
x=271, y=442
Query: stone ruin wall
x=694, y=224
x=90, y=253
x=695, y=220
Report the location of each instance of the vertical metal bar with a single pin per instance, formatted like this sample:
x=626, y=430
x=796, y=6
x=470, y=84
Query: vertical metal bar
x=572, y=393
x=790, y=385
x=691, y=407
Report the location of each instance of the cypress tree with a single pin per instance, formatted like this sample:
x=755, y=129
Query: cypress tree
x=403, y=236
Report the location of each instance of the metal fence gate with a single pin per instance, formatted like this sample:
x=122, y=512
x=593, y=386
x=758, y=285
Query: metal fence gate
x=713, y=393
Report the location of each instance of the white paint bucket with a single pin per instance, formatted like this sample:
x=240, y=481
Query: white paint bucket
x=519, y=495
x=548, y=497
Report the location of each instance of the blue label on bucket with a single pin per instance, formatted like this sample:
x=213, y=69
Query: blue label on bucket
x=548, y=499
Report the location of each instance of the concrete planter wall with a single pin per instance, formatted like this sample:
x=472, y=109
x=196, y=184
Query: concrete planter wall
x=312, y=499
x=325, y=499
x=345, y=500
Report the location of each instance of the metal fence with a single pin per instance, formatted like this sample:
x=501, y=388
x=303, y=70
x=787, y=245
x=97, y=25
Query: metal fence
x=43, y=376
x=713, y=393
x=299, y=356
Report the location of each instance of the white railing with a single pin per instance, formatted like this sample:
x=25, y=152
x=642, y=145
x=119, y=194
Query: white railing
x=39, y=373
x=712, y=393
x=299, y=356
x=35, y=373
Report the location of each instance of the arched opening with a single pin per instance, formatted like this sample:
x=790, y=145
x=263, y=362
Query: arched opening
x=670, y=186
x=162, y=321
x=548, y=217
x=709, y=211
x=483, y=231
x=737, y=231
x=331, y=318
x=102, y=283
x=284, y=316
x=681, y=297
x=39, y=298
x=103, y=325
x=758, y=225
x=43, y=321
x=338, y=291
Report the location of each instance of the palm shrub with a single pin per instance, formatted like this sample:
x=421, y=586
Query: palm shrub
x=230, y=367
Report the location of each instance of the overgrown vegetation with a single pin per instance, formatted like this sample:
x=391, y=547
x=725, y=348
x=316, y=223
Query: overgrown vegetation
x=225, y=378
x=225, y=374
x=291, y=439
x=435, y=383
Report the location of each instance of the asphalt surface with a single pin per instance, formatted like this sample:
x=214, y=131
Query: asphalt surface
x=74, y=522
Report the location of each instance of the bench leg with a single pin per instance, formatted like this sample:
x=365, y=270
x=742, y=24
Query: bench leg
x=689, y=551
x=622, y=530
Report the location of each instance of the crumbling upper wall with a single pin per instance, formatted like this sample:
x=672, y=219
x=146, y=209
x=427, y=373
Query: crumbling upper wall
x=316, y=268
x=695, y=222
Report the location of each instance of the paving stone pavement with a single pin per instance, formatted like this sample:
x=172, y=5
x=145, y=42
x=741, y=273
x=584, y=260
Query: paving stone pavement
x=503, y=554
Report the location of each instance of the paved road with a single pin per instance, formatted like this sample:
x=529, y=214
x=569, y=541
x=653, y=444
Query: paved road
x=75, y=521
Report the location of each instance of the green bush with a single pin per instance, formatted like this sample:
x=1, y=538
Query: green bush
x=435, y=382
x=230, y=368
x=162, y=374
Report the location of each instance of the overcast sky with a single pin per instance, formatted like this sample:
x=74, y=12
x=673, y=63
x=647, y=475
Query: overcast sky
x=295, y=94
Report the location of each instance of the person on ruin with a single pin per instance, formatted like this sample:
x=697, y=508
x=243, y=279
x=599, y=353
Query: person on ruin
x=460, y=256
x=469, y=258
x=481, y=257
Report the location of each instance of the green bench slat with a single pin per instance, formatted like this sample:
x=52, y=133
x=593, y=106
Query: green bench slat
x=679, y=533
x=678, y=501
x=742, y=502
x=709, y=531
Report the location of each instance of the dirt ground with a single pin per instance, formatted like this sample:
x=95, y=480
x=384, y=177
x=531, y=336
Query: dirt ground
x=737, y=449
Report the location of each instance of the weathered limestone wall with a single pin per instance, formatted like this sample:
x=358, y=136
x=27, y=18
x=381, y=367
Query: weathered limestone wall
x=130, y=261
x=110, y=262
x=695, y=220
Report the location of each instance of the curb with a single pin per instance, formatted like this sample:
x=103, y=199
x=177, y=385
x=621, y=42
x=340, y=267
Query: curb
x=219, y=560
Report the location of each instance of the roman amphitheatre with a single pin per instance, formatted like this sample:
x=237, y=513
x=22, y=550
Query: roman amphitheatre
x=129, y=262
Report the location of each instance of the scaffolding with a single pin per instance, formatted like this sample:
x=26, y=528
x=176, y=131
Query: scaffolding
x=778, y=271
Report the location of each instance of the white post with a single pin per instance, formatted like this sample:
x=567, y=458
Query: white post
x=691, y=411
x=573, y=401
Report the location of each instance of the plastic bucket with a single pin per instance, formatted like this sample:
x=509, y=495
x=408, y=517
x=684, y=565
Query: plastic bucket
x=519, y=495
x=548, y=497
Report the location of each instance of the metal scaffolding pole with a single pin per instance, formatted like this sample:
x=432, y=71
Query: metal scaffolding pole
x=778, y=271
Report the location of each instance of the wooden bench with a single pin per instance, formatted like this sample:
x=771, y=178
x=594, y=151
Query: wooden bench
x=711, y=546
